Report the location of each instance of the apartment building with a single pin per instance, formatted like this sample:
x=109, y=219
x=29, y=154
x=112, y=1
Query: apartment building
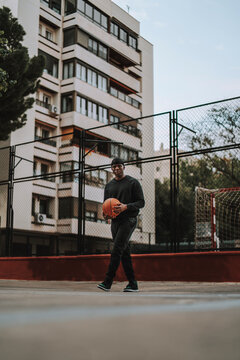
x=98, y=70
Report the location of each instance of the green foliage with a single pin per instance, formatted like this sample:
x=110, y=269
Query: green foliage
x=3, y=74
x=163, y=211
x=20, y=75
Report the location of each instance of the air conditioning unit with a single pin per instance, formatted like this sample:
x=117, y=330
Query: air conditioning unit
x=40, y=218
x=54, y=109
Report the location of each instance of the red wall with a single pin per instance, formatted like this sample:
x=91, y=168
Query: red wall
x=211, y=266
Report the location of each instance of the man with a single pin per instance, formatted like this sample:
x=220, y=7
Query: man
x=129, y=192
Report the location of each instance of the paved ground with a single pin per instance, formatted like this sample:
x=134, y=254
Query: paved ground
x=74, y=320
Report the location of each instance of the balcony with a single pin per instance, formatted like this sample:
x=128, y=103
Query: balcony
x=53, y=5
x=47, y=108
x=129, y=130
x=46, y=141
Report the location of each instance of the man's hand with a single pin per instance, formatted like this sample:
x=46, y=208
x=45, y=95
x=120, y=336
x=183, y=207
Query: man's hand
x=120, y=208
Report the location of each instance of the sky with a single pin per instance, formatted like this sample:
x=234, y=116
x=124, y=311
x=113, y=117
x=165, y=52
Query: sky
x=196, y=49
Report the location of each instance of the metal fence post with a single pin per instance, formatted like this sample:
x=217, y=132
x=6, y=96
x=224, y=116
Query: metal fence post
x=9, y=220
x=173, y=181
x=81, y=213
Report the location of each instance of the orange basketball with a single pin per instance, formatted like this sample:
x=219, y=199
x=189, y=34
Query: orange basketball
x=108, y=207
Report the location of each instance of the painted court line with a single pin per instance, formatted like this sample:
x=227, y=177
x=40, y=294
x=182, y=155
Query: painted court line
x=63, y=314
x=44, y=292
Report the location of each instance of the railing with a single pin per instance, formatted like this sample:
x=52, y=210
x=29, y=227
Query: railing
x=129, y=129
x=43, y=104
x=46, y=140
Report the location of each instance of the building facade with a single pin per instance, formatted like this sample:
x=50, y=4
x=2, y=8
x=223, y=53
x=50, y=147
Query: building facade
x=98, y=70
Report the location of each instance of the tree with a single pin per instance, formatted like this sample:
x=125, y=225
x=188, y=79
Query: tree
x=222, y=127
x=3, y=74
x=19, y=75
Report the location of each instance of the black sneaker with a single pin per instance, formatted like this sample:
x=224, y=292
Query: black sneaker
x=104, y=286
x=131, y=287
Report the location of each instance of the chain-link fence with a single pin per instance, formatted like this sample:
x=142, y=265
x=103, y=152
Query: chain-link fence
x=52, y=188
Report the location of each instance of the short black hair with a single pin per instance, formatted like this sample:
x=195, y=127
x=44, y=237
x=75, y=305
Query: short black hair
x=117, y=161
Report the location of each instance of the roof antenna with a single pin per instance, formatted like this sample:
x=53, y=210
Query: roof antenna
x=128, y=8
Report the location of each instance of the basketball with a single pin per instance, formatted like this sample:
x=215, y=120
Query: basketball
x=108, y=207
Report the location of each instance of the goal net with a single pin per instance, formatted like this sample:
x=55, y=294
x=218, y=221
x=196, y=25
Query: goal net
x=217, y=218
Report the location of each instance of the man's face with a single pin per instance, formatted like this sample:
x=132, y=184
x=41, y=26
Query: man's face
x=118, y=170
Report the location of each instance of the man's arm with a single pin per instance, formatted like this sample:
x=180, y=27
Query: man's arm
x=139, y=201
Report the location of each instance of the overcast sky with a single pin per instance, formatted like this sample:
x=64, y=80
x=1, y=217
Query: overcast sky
x=196, y=49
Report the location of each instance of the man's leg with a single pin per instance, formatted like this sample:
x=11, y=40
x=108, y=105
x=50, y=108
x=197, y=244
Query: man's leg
x=122, y=232
x=127, y=264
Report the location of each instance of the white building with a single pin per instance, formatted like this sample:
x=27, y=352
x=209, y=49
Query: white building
x=98, y=70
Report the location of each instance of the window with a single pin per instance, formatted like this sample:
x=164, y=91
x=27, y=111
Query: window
x=102, y=83
x=113, y=120
x=128, y=100
x=114, y=29
x=67, y=168
x=93, y=13
x=92, y=77
x=69, y=37
x=132, y=42
x=67, y=103
x=51, y=64
x=121, y=96
x=103, y=115
x=35, y=168
x=113, y=91
x=96, y=177
x=81, y=72
x=97, y=16
x=123, y=35
x=93, y=46
x=92, y=110
x=103, y=176
x=68, y=70
x=81, y=5
x=44, y=169
x=45, y=133
x=33, y=205
x=82, y=38
x=91, y=216
x=104, y=21
x=89, y=10
x=135, y=103
x=44, y=206
x=49, y=35
x=46, y=99
x=102, y=52
x=55, y=5
x=114, y=150
x=81, y=105
x=70, y=6
x=124, y=153
x=133, y=155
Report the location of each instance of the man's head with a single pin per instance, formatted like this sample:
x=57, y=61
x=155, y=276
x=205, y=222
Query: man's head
x=118, y=167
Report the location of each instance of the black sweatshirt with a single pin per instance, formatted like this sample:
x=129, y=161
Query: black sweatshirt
x=128, y=191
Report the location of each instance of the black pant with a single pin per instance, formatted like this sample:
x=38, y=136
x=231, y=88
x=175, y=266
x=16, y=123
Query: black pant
x=121, y=233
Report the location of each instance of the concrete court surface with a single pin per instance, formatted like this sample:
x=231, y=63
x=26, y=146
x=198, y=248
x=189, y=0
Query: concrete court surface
x=74, y=320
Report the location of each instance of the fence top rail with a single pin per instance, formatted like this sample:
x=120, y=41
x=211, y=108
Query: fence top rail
x=210, y=103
